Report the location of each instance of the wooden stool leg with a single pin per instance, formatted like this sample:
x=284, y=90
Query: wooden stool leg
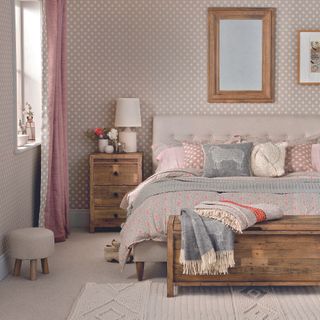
x=33, y=269
x=45, y=265
x=17, y=267
x=140, y=269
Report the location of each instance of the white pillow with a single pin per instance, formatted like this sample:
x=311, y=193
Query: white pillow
x=268, y=159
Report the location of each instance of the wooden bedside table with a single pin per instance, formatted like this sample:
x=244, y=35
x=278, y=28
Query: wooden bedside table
x=111, y=177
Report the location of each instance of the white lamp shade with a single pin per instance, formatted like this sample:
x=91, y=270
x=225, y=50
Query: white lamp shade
x=128, y=112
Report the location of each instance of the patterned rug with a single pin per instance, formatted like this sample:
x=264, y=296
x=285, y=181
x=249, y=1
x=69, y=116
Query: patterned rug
x=147, y=301
x=124, y=301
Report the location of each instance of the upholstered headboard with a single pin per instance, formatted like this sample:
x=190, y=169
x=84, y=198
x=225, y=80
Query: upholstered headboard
x=274, y=126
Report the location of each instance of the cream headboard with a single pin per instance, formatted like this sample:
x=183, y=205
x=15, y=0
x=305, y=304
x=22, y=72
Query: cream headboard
x=185, y=127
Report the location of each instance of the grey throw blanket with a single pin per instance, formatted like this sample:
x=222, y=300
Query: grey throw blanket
x=206, y=245
x=207, y=236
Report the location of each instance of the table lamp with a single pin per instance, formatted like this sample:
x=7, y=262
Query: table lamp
x=128, y=116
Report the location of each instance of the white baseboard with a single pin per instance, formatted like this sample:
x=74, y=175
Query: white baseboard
x=79, y=218
x=4, y=265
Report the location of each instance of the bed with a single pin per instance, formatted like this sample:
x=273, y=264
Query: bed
x=151, y=246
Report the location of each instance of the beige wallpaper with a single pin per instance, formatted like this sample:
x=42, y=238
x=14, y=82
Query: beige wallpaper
x=157, y=50
x=19, y=173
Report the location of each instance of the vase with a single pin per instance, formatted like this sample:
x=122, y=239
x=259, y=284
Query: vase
x=30, y=128
x=109, y=149
x=102, y=143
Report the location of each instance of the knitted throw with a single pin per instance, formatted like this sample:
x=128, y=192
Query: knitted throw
x=207, y=233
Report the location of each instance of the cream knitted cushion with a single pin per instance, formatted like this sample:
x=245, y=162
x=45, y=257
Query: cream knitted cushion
x=268, y=159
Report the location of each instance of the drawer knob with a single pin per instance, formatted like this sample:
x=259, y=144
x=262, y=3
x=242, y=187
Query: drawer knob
x=115, y=215
x=116, y=173
x=115, y=194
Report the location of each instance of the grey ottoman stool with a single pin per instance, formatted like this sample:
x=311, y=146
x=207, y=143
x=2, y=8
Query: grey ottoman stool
x=31, y=244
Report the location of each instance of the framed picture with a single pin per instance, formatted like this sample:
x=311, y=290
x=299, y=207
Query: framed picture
x=309, y=57
x=241, y=55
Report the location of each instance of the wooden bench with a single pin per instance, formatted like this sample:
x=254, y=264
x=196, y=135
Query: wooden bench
x=283, y=252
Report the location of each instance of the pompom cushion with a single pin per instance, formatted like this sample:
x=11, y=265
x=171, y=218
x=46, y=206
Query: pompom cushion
x=170, y=158
x=299, y=158
x=315, y=156
x=268, y=159
x=193, y=155
x=227, y=160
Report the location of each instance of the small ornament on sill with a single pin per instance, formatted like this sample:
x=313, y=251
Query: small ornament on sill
x=30, y=125
x=22, y=128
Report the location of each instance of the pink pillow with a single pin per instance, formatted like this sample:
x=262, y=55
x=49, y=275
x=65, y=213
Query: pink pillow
x=170, y=158
x=315, y=156
x=193, y=155
x=298, y=158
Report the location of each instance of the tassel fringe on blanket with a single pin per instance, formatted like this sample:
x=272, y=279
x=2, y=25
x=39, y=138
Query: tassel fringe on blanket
x=210, y=263
x=207, y=237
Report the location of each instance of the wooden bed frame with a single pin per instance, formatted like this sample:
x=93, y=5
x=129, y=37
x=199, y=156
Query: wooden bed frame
x=283, y=252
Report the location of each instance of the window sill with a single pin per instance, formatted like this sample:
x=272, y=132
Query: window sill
x=28, y=146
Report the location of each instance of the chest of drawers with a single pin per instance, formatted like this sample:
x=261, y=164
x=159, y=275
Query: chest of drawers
x=111, y=177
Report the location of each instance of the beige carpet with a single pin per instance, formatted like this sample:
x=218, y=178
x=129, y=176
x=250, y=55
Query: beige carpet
x=80, y=260
x=132, y=301
x=75, y=262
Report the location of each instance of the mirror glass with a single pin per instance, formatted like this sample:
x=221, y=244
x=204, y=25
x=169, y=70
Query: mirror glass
x=240, y=54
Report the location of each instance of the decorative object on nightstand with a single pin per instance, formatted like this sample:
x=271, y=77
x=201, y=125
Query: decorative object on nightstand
x=113, y=138
x=102, y=144
x=111, y=177
x=128, y=116
x=107, y=139
x=109, y=148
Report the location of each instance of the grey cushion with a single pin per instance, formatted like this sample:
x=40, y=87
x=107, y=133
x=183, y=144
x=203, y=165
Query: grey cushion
x=227, y=160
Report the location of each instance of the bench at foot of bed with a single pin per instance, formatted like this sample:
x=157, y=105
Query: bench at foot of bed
x=283, y=252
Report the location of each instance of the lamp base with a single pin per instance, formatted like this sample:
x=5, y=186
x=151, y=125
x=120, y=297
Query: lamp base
x=129, y=138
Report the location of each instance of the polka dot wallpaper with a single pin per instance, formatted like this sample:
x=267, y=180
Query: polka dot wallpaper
x=157, y=51
x=19, y=173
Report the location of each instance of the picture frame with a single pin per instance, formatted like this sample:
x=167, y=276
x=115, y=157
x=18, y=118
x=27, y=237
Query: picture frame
x=309, y=57
x=241, y=68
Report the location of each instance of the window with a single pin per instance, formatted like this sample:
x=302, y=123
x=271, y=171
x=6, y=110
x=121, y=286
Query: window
x=28, y=72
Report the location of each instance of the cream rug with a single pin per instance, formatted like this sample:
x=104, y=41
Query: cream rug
x=125, y=301
x=147, y=301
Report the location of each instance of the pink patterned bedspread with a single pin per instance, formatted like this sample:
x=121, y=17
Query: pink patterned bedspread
x=149, y=220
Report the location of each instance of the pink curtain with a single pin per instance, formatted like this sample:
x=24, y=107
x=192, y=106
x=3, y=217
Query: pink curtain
x=57, y=199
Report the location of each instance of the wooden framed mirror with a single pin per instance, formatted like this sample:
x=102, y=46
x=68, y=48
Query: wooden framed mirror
x=241, y=55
